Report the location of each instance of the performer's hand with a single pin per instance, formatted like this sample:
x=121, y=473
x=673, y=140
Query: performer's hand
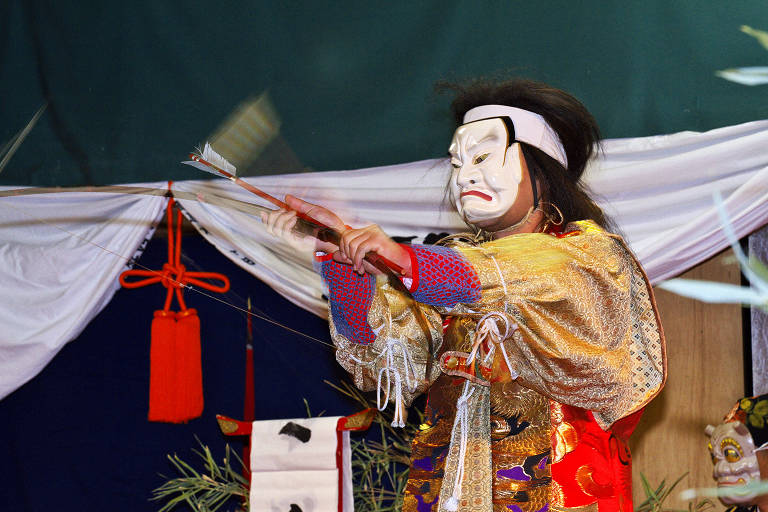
x=356, y=243
x=320, y=214
x=280, y=223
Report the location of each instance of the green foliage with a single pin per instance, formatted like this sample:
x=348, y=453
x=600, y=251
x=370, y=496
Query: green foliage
x=760, y=35
x=751, y=75
x=755, y=410
x=13, y=144
x=205, y=491
x=655, y=499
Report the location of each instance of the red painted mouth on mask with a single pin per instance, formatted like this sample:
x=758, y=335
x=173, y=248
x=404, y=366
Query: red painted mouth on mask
x=478, y=194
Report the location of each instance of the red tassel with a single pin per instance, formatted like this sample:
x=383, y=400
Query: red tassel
x=189, y=397
x=175, y=372
x=162, y=355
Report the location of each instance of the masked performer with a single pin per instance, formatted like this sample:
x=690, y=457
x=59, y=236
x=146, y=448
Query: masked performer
x=536, y=336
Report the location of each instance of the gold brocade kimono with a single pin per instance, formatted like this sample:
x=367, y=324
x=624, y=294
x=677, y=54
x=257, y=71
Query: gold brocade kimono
x=578, y=327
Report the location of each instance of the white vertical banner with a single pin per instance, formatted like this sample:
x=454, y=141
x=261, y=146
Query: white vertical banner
x=301, y=465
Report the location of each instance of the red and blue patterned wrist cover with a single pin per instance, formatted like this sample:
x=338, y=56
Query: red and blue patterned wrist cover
x=350, y=295
x=442, y=276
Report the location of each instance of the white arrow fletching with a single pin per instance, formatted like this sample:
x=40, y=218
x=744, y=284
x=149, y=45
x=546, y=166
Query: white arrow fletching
x=203, y=167
x=211, y=156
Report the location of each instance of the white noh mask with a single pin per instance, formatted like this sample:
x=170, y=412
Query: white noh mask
x=486, y=173
x=488, y=162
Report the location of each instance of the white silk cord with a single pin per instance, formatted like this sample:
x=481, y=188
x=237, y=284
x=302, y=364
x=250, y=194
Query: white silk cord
x=501, y=276
x=512, y=373
x=488, y=329
x=392, y=370
x=460, y=425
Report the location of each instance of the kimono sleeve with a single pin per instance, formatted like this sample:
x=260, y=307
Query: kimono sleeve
x=587, y=332
x=401, y=336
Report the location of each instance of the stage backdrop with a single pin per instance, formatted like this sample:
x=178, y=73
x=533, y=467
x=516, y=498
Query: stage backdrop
x=133, y=86
x=76, y=437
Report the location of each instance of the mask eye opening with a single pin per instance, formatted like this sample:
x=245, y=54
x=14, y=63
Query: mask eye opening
x=731, y=455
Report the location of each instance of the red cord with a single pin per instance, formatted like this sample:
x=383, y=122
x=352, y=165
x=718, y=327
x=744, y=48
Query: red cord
x=174, y=275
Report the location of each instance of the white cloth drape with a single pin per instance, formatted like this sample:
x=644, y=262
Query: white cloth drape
x=60, y=258
x=401, y=198
x=657, y=189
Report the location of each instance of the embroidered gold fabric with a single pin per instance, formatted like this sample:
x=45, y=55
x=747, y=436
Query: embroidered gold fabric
x=588, y=335
x=589, y=331
x=518, y=406
x=393, y=316
x=476, y=485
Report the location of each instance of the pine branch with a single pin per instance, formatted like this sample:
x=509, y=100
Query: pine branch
x=203, y=492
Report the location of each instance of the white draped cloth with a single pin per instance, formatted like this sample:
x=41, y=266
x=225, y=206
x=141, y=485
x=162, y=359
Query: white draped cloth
x=60, y=259
x=61, y=254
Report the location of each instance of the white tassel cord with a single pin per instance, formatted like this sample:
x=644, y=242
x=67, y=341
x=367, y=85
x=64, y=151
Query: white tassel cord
x=461, y=423
x=501, y=276
x=392, y=372
x=487, y=328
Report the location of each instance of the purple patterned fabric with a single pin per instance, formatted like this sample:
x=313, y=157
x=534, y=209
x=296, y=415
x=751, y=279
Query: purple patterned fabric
x=424, y=464
x=515, y=508
x=423, y=506
x=516, y=473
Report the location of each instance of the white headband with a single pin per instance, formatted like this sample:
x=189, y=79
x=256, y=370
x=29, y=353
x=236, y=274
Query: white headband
x=529, y=127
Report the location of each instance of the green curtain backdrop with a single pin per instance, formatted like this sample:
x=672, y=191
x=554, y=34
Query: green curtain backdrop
x=133, y=86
